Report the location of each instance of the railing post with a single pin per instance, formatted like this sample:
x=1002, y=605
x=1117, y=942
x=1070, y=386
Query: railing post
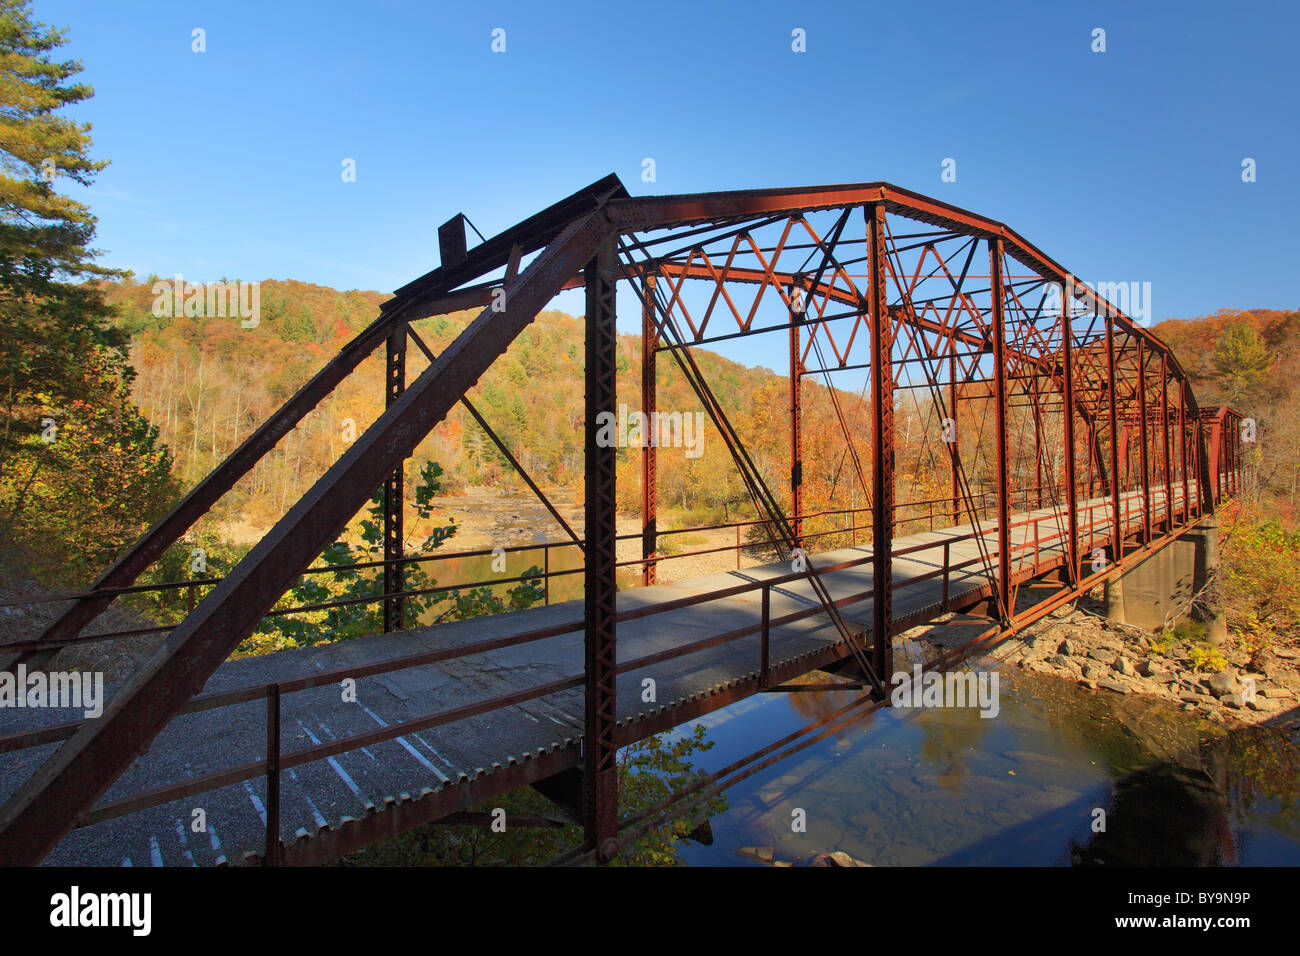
x=272, y=855
x=600, y=765
x=546, y=574
x=737, y=547
x=943, y=601
x=764, y=653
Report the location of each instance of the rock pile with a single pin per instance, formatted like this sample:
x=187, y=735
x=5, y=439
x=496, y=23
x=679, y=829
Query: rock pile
x=1102, y=655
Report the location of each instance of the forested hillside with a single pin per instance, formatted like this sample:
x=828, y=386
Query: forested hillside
x=1250, y=360
x=205, y=383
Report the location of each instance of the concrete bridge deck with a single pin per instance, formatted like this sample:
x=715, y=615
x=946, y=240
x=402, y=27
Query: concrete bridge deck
x=467, y=755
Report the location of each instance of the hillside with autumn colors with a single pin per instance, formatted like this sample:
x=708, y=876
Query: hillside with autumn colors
x=1250, y=359
x=200, y=385
x=205, y=383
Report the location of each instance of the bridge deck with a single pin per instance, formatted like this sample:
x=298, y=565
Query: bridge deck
x=468, y=755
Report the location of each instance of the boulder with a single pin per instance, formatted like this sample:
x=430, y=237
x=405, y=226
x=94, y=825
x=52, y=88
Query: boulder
x=1221, y=684
x=1153, y=669
x=840, y=858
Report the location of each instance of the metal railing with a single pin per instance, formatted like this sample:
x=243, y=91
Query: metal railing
x=1048, y=551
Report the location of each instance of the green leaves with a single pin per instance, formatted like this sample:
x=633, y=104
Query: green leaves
x=347, y=584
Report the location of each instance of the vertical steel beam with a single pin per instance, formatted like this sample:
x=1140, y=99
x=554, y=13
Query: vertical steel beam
x=1035, y=408
x=1229, y=431
x=1000, y=418
x=1142, y=424
x=1116, y=532
x=1214, y=459
x=394, y=491
x=952, y=413
x=882, y=445
x=600, y=764
x=1166, y=436
x=1182, y=449
x=796, y=421
x=1124, y=439
x=1071, y=499
x=1207, y=496
x=649, y=464
x=1093, y=457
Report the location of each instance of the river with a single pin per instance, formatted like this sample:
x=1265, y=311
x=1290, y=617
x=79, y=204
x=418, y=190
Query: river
x=1024, y=788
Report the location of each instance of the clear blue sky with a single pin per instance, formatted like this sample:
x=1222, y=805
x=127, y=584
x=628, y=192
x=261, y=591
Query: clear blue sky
x=1123, y=165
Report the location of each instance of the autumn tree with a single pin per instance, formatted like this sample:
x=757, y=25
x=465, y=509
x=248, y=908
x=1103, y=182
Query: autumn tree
x=1243, y=360
x=80, y=469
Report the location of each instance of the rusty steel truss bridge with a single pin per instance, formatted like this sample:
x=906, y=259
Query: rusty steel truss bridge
x=1067, y=436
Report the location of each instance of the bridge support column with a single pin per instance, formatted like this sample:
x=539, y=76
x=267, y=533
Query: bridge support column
x=600, y=764
x=394, y=492
x=882, y=447
x=649, y=463
x=1208, y=610
x=1115, y=600
x=1160, y=589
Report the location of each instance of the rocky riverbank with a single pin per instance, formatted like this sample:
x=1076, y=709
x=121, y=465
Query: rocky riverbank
x=1115, y=658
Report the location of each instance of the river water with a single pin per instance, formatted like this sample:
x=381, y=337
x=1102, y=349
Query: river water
x=949, y=787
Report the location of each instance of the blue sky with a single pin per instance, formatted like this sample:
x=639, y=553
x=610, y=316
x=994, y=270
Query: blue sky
x=1123, y=165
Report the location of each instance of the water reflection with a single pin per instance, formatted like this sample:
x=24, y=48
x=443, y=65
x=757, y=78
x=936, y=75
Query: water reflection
x=950, y=788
